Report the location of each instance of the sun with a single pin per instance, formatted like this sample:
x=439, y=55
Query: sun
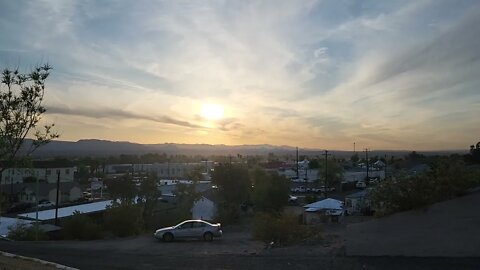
x=211, y=111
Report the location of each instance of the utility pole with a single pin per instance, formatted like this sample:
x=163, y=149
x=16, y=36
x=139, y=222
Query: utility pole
x=56, y=203
x=36, y=210
x=366, y=160
x=298, y=176
x=354, y=148
x=385, y=169
x=326, y=173
x=1, y=197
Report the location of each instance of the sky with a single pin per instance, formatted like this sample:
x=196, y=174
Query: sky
x=399, y=75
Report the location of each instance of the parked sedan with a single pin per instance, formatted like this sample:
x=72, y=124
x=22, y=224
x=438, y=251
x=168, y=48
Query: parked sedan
x=292, y=199
x=361, y=185
x=190, y=229
x=45, y=204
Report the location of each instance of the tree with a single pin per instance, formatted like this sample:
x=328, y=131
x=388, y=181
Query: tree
x=21, y=109
x=186, y=195
x=233, y=182
x=196, y=174
x=354, y=158
x=148, y=189
x=447, y=179
x=334, y=172
x=474, y=155
x=80, y=226
x=314, y=164
x=123, y=220
x=270, y=192
x=123, y=189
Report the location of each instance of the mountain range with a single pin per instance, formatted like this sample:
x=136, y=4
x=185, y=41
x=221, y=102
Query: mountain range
x=93, y=147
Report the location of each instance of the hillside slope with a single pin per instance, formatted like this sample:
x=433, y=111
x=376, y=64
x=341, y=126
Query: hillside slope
x=446, y=229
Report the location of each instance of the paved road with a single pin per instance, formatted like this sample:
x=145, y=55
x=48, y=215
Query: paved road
x=232, y=252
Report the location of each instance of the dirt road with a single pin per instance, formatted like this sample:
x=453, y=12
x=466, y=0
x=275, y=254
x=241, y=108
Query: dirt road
x=234, y=251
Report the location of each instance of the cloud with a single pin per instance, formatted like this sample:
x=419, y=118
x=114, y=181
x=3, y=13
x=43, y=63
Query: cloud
x=115, y=113
x=315, y=72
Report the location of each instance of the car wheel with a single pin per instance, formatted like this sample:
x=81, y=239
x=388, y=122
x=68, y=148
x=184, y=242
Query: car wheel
x=208, y=236
x=168, y=237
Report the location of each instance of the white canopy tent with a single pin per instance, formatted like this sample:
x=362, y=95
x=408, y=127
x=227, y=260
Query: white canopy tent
x=326, y=204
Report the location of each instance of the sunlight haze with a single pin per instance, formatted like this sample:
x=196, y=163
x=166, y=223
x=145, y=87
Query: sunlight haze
x=317, y=74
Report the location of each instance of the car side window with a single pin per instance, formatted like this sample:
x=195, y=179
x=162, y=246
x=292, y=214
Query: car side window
x=186, y=225
x=198, y=225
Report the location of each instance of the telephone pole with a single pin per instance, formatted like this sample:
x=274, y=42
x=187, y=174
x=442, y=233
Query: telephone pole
x=326, y=173
x=385, y=169
x=56, y=203
x=366, y=160
x=298, y=176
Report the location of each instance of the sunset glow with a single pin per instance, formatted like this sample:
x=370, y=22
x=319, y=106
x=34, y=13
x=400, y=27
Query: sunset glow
x=212, y=112
x=318, y=74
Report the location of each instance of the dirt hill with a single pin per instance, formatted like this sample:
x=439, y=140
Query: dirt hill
x=445, y=229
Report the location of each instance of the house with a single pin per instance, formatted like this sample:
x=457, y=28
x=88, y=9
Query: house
x=205, y=207
x=63, y=212
x=7, y=223
x=379, y=164
x=170, y=188
x=27, y=192
x=179, y=170
x=358, y=203
x=43, y=170
x=419, y=169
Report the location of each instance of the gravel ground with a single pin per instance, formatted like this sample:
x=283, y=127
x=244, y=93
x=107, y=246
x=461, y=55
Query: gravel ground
x=236, y=250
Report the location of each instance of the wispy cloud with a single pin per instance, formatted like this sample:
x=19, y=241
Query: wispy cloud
x=387, y=74
x=116, y=113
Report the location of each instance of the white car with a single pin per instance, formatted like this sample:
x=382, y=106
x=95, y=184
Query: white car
x=300, y=189
x=292, y=199
x=360, y=184
x=190, y=229
x=45, y=204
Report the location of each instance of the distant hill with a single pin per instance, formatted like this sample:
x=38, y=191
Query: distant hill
x=107, y=148
x=92, y=147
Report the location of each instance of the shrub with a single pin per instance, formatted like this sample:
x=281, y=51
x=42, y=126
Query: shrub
x=311, y=199
x=26, y=232
x=81, y=227
x=124, y=220
x=227, y=213
x=447, y=179
x=165, y=217
x=280, y=229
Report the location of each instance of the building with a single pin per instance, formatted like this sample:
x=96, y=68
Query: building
x=27, y=192
x=44, y=171
x=358, y=203
x=205, y=208
x=179, y=170
x=166, y=170
x=323, y=211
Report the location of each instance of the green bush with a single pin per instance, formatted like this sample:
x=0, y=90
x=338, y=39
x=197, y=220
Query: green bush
x=81, y=227
x=227, y=213
x=311, y=199
x=446, y=180
x=124, y=220
x=165, y=218
x=24, y=232
x=281, y=229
